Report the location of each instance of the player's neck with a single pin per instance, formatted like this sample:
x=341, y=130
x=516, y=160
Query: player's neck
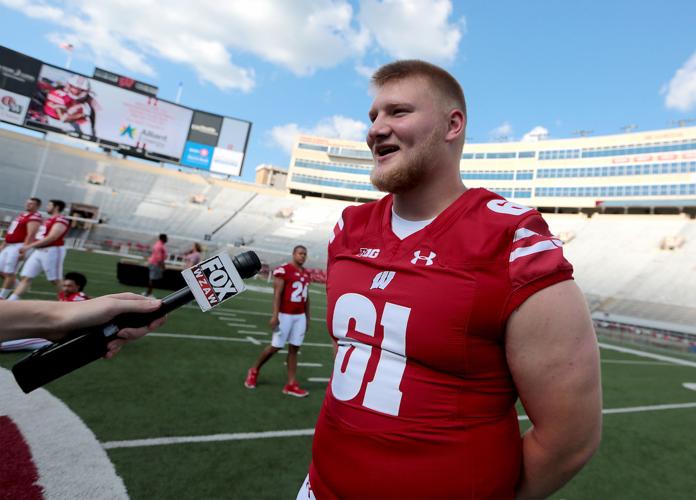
x=427, y=202
x=298, y=266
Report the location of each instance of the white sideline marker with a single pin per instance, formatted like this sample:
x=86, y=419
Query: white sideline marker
x=643, y=354
x=136, y=443
x=251, y=332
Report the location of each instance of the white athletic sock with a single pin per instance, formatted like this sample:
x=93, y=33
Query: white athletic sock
x=4, y=292
x=14, y=296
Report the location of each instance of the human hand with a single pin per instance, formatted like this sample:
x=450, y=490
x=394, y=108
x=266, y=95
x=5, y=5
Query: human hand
x=102, y=309
x=23, y=250
x=274, y=322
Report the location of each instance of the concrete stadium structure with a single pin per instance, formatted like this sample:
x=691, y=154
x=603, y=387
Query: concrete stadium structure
x=646, y=169
x=624, y=205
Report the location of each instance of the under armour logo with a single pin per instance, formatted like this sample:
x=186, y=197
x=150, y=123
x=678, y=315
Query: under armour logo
x=382, y=279
x=428, y=260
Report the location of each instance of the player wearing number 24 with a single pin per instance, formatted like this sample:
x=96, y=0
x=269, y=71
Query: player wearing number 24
x=289, y=320
x=447, y=304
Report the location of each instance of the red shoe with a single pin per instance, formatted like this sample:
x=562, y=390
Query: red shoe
x=295, y=390
x=250, y=380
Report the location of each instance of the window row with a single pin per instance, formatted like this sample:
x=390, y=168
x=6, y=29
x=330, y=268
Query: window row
x=684, y=167
x=332, y=167
x=609, y=191
x=562, y=154
x=498, y=175
x=498, y=156
x=350, y=153
x=320, y=181
x=313, y=147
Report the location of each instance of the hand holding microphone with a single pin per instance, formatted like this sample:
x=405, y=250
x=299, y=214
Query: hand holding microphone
x=210, y=282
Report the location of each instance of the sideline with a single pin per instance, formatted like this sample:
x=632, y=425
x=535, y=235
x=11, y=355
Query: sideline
x=243, y=436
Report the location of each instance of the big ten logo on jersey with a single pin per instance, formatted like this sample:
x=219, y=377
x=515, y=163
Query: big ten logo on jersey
x=370, y=253
x=213, y=281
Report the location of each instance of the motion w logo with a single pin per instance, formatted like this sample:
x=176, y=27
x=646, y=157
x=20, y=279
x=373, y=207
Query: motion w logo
x=382, y=279
x=428, y=260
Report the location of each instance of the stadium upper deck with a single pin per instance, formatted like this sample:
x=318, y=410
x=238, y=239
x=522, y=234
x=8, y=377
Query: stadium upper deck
x=645, y=169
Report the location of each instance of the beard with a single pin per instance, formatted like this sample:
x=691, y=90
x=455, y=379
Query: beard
x=409, y=171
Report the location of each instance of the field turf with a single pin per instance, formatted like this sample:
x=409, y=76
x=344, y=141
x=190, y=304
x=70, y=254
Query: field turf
x=185, y=381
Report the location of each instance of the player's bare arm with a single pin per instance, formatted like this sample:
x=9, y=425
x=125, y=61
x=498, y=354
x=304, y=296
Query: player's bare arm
x=57, y=230
x=553, y=355
x=32, y=228
x=278, y=286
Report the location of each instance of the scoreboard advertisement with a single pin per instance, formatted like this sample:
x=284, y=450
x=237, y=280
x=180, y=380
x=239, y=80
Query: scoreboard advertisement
x=118, y=113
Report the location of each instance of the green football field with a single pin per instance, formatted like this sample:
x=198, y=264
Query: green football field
x=176, y=421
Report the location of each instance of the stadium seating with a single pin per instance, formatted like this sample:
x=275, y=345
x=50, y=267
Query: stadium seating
x=621, y=261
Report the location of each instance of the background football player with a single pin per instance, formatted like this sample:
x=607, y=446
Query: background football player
x=289, y=321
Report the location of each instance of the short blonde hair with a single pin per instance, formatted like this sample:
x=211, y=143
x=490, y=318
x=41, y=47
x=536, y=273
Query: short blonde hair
x=441, y=80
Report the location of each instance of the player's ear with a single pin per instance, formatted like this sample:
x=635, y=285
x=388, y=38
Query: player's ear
x=456, y=124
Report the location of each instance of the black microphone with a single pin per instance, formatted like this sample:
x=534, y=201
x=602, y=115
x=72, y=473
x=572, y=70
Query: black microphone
x=86, y=345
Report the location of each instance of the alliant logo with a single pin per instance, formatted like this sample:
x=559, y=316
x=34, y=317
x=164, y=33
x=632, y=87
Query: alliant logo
x=213, y=281
x=417, y=257
x=370, y=253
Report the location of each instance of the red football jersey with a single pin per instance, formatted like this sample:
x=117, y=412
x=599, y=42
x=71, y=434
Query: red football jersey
x=17, y=232
x=294, y=298
x=73, y=297
x=421, y=403
x=45, y=229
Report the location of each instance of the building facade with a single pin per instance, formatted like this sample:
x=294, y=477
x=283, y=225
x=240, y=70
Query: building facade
x=652, y=170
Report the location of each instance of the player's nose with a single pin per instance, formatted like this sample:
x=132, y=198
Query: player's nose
x=379, y=129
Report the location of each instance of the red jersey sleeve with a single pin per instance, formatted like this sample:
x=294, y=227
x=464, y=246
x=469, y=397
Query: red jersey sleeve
x=536, y=261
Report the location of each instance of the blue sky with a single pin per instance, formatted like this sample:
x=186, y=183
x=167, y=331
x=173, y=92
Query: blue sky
x=527, y=68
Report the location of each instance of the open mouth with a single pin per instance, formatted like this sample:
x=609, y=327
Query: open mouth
x=385, y=150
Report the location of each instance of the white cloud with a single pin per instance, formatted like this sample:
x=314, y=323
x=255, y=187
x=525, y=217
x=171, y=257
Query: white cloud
x=503, y=131
x=538, y=133
x=681, y=90
x=210, y=36
x=336, y=127
x=410, y=29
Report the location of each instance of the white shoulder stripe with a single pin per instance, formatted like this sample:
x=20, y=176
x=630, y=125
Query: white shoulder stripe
x=340, y=223
x=542, y=246
x=523, y=233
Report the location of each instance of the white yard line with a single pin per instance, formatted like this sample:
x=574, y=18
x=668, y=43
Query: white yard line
x=629, y=362
x=227, y=339
x=313, y=365
x=319, y=379
x=253, y=313
x=237, y=324
x=252, y=332
x=643, y=354
x=253, y=340
x=135, y=443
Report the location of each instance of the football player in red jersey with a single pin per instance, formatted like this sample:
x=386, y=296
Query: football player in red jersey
x=49, y=251
x=22, y=231
x=447, y=304
x=290, y=320
x=73, y=288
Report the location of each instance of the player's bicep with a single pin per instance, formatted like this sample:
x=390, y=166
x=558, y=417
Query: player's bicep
x=32, y=228
x=278, y=285
x=57, y=230
x=553, y=355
